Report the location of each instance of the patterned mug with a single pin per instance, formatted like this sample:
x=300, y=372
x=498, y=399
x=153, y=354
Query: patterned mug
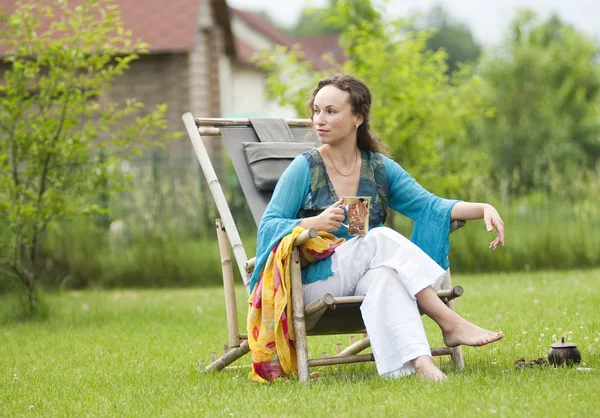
x=356, y=210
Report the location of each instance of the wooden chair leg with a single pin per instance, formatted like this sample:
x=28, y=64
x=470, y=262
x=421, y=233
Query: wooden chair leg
x=356, y=348
x=457, y=358
x=456, y=355
x=298, y=318
x=229, y=357
x=228, y=286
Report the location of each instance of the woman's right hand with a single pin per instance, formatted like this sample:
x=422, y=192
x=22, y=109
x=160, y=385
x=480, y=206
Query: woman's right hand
x=329, y=220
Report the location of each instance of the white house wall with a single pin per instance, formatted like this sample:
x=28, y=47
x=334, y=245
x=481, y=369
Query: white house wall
x=226, y=88
x=248, y=83
x=249, y=95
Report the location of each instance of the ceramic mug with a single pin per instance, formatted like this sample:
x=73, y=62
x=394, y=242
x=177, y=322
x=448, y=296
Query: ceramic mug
x=356, y=209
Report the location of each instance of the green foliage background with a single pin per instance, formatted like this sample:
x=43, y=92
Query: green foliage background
x=543, y=85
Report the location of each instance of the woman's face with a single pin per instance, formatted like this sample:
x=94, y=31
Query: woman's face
x=333, y=119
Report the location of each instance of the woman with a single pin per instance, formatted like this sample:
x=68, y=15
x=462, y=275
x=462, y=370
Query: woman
x=398, y=277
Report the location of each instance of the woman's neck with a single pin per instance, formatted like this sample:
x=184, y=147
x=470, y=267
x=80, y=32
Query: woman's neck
x=343, y=152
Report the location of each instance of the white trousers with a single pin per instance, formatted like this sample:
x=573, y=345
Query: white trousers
x=389, y=270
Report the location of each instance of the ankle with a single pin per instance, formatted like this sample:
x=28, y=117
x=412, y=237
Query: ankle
x=452, y=324
x=426, y=369
x=422, y=362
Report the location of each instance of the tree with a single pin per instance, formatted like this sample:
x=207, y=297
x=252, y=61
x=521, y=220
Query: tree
x=312, y=22
x=454, y=37
x=544, y=86
x=57, y=142
x=419, y=110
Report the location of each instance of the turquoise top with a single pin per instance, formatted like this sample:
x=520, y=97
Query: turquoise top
x=383, y=179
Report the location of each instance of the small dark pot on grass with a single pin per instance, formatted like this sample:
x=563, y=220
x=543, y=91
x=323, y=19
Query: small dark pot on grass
x=563, y=353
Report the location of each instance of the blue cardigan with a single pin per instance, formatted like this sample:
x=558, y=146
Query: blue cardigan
x=431, y=216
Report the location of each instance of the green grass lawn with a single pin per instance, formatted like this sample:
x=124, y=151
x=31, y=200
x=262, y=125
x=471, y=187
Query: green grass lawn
x=137, y=353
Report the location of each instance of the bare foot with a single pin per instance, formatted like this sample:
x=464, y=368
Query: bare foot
x=427, y=370
x=465, y=333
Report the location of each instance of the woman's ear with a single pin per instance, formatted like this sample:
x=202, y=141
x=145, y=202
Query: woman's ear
x=358, y=120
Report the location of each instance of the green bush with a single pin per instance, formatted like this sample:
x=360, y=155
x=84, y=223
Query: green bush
x=80, y=254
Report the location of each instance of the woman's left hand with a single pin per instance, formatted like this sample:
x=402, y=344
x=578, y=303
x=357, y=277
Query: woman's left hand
x=492, y=219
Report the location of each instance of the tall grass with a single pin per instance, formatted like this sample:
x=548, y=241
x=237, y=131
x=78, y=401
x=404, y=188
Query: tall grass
x=557, y=226
x=537, y=240
x=168, y=235
x=80, y=254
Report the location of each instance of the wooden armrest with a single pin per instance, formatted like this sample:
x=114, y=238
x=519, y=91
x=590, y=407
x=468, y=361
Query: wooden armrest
x=329, y=301
x=300, y=239
x=305, y=236
x=249, y=266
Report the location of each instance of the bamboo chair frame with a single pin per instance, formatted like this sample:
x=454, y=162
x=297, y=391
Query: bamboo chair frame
x=200, y=129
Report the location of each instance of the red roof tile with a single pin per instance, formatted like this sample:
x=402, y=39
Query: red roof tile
x=313, y=47
x=265, y=27
x=243, y=51
x=317, y=46
x=166, y=26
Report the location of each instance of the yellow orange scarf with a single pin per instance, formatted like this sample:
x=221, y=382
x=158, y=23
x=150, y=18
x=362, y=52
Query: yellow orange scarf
x=270, y=328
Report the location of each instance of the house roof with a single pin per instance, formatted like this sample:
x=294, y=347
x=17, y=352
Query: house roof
x=317, y=46
x=243, y=51
x=313, y=47
x=264, y=26
x=166, y=26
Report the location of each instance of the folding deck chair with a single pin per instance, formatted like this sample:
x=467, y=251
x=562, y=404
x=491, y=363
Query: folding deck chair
x=242, y=137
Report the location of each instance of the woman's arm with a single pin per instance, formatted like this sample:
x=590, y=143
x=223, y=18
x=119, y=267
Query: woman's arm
x=412, y=200
x=431, y=214
x=409, y=198
x=280, y=216
x=287, y=199
x=468, y=210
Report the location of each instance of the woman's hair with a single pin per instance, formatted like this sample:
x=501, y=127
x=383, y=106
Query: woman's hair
x=360, y=100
